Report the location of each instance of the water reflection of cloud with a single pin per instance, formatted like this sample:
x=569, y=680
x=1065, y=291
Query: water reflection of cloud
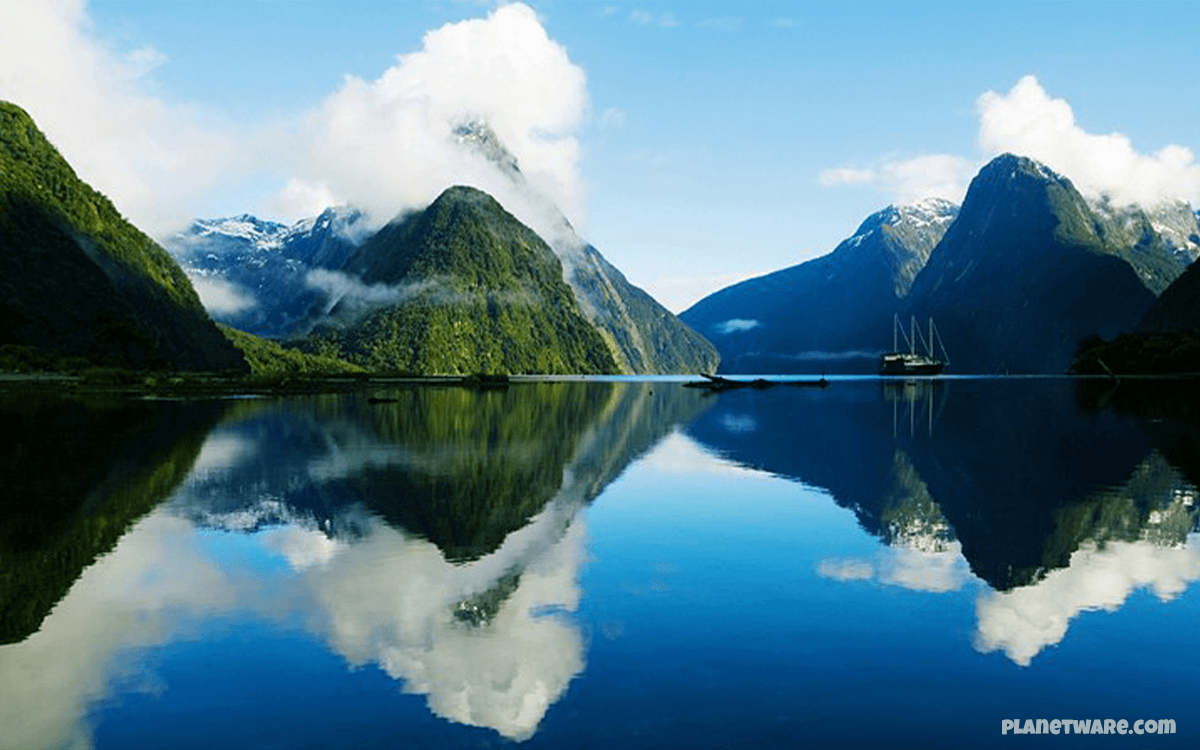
x=383, y=598
x=739, y=423
x=128, y=599
x=1026, y=620
x=390, y=599
x=222, y=450
x=679, y=454
x=919, y=568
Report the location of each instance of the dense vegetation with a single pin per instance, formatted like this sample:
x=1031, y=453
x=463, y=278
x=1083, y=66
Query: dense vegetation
x=1166, y=342
x=471, y=290
x=77, y=280
x=269, y=358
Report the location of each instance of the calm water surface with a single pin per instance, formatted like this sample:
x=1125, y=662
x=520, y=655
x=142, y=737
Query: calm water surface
x=601, y=565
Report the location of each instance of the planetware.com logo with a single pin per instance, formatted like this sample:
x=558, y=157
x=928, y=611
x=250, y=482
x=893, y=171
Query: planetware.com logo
x=1087, y=726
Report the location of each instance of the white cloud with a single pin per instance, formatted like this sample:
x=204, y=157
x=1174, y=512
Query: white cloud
x=737, y=325
x=221, y=297
x=909, y=180
x=1026, y=620
x=151, y=158
x=384, y=144
x=387, y=145
x=646, y=18
x=931, y=176
x=613, y=118
x=1029, y=122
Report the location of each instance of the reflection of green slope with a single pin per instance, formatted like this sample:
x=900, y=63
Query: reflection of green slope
x=77, y=476
x=1154, y=505
x=469, y=467
x=480, y=463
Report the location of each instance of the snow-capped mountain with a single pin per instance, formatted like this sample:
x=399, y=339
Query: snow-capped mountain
x=253, y=274
x=829, y=314
x=1168, y=230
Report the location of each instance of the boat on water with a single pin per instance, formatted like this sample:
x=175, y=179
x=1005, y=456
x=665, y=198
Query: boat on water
x=912, y=362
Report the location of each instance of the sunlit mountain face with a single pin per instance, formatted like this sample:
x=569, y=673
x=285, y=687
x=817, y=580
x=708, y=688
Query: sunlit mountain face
x=558, y=563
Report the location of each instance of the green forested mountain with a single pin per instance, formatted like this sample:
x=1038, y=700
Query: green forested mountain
x=644, y=337
x=78, y=281
x=457, y=288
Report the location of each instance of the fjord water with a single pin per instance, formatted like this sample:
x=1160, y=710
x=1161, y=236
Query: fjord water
x=601, y=564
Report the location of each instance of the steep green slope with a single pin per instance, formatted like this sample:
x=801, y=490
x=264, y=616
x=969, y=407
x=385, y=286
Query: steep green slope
x=644, y=337
x=462, y=287
x=77, y=280
x=267, y=357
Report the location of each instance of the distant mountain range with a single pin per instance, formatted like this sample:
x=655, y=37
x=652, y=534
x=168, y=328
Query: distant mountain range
x=254, y=274
x=1015, y=279
x=1023, y=277
x=831, y=314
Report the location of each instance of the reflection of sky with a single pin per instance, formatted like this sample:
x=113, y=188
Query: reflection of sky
x=384, y=599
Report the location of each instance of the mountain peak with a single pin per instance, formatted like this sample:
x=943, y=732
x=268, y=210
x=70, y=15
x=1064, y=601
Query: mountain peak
x=479, y=137
x=1011, y=166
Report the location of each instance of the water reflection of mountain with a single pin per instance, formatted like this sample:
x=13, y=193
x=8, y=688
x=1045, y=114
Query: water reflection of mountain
x=437, y=534
x=479, y=622
x=77, y=474
x=1013, y=470
x=463, y=468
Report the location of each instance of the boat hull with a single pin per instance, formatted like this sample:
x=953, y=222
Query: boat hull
x=910, y=364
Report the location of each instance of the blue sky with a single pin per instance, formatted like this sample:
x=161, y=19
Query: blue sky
x=694, y=143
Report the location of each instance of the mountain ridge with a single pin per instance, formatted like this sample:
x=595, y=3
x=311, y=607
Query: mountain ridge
x=131, y=306
x=846, y=298
x=472, y=290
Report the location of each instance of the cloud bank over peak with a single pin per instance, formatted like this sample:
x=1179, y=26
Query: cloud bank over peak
x=152, y=158
x=388, y=145
x=385, y=144
x=1028, y=121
